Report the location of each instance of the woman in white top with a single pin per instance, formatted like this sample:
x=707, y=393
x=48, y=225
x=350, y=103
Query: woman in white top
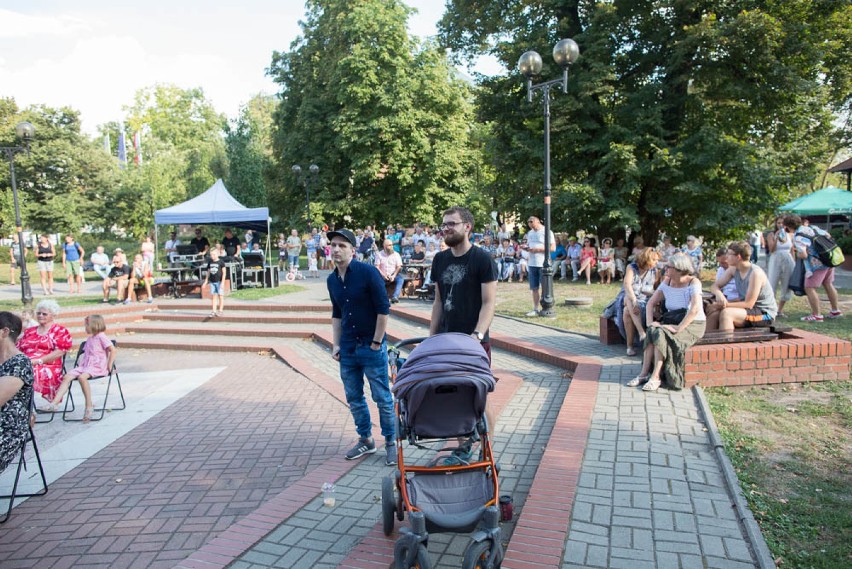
x=666, y=344
x=781, y=262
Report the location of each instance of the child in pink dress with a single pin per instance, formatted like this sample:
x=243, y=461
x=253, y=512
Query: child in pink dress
x=96, y=361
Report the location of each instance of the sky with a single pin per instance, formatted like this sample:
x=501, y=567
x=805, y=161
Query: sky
x=93, y=55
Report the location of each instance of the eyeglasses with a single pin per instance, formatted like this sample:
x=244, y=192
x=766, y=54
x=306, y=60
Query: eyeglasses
x=42, y=313
x=448, y=224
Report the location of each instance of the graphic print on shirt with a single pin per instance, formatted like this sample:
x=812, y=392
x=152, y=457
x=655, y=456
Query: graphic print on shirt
x=451, y=277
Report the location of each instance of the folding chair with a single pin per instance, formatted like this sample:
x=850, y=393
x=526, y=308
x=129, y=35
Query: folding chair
x=113, y=373
x=22, y=464
x=52, y=413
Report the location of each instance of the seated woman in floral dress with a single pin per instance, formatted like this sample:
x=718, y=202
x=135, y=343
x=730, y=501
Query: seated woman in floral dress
x=588, y=259
x=45, y=345
x=16, y=390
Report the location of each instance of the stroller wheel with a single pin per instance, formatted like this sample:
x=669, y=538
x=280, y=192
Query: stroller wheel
x=400, y=552
x=388, y=505
x=477, y=554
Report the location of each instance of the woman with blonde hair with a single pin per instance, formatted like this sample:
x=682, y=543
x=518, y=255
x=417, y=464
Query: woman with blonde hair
x=683, y=324
x=641, y=278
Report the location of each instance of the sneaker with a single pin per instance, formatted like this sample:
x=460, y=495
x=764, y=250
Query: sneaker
x=812, y=318
x=394, y=300
x=362, y=447
x=834, y=314
x=532, y=313
x=126, y=301
x=105, y=301
x=390, y=450
x=149, y=301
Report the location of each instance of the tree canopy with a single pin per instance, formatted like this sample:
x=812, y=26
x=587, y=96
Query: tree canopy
x=386, y=120
x=684, y=117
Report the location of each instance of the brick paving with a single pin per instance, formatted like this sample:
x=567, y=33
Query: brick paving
x=230, y=475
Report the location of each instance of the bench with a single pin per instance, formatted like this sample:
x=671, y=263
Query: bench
x=608, y=334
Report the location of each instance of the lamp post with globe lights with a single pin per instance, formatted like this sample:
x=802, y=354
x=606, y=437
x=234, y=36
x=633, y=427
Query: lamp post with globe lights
x=565, y=52
x=24, y=132
x=297, y=171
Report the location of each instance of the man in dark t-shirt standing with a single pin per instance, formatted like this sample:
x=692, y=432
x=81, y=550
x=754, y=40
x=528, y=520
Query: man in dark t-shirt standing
x=465, y=296
x=466, y=278
x=231, y=244
x=201, y=243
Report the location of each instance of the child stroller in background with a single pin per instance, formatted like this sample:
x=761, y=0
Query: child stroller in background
x=440, y=396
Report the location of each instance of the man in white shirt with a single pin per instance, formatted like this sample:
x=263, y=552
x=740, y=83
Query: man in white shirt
x=535, y=247
x=389, y=264
x=100, y=262
x=171, y=247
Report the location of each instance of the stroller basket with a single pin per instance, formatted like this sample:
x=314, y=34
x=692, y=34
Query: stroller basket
x=451, y=502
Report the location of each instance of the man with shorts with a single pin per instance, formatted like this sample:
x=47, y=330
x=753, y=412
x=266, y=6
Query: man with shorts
x=72, y=255
x=535, y=247
x=359, y=318
x=466, y=292
x=757, y=306
x=821, y=275
x=119, y=276
x=15, y=257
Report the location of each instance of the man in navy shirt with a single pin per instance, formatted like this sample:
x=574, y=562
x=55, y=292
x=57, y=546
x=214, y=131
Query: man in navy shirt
x=359, y=317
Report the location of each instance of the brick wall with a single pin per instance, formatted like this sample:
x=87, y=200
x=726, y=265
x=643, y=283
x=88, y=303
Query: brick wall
x=795, y=357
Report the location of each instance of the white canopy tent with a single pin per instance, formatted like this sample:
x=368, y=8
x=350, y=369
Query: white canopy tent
x=216, y=206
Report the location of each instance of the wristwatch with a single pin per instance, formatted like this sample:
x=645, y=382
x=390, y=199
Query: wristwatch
x=479, y=335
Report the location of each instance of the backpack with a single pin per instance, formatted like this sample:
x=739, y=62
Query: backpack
x=827, y=250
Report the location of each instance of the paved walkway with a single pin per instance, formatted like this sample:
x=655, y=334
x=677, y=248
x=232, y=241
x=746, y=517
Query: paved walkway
x=230, y=472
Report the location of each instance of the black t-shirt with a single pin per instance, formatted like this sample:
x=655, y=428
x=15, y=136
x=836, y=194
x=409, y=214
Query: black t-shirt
x=230, y=244
x=201, y=243
x=215, y=270
x=123, y=270
x=418, y=257
x=459, y=281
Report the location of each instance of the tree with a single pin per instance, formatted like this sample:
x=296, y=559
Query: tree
x=65, y=180
x=186, y=122
x=684, y=117
x=248, y=143
x=385, y=119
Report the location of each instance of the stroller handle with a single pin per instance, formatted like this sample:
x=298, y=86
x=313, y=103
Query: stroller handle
x=407, y=342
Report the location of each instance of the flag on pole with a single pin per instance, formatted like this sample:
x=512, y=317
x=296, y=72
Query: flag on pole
x=107, y=148
x=137, y=145
x=122, y=148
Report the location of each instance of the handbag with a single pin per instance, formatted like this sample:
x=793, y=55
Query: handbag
x=673, y=317
x=797, y=279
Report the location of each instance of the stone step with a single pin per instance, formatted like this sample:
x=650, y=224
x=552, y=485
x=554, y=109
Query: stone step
x=237, y=316
x=196, y=342
x=218, y=327
x=244, y=306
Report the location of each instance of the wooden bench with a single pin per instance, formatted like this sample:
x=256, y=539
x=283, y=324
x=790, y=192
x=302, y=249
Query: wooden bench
x=609, y=335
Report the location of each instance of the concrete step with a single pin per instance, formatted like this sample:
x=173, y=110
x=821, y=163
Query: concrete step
x=196, y=342
x=218, y=327
x=238, y=316
x=247, y=306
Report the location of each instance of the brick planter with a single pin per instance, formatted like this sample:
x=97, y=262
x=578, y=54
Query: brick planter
x=796, y=356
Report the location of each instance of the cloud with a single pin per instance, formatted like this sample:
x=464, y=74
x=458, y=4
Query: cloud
x=17, y=25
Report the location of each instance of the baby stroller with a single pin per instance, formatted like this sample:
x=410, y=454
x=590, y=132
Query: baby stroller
x=440, y=394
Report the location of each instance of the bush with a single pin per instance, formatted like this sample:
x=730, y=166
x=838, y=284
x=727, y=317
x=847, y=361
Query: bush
x=845, y=244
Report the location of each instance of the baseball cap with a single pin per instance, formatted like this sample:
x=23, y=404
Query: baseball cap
x=345, y=233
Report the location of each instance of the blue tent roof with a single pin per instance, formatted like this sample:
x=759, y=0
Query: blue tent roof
x=827, y=201
x=216, y=206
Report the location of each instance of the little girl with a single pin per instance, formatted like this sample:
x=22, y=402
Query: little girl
x=312, y=265
x=96, y=361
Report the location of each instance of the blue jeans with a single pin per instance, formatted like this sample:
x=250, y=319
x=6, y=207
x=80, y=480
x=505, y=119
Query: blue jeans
x=398, y=282
x=293, y=260
x=355, y=363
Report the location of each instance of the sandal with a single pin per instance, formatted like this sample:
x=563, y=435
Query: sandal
x=631, y=351
x=652, y=385
x=212, y=314
x=87, y=416
x=638, y=380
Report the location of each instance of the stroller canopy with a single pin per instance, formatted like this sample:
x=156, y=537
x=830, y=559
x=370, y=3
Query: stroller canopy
x=444, y=358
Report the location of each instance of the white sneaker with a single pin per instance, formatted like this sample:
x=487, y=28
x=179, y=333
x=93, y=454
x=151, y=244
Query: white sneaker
x=532, y=313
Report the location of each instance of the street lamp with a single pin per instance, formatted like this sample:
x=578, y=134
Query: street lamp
x=297, y=171
x=24, y=131
x=565, y=53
